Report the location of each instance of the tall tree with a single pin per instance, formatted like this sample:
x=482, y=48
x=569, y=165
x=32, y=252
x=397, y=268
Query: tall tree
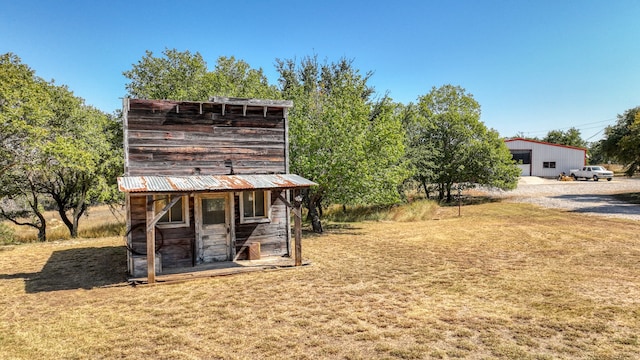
x=420, y=152
x=236, y=78
x=66, y=157
x=622, y=140
x=341, y=137
x=181, y=75
x=78, y=159
x=571, y=137
x=596, y=153
x=175, y=75
x=24, y=109
x=454, y=147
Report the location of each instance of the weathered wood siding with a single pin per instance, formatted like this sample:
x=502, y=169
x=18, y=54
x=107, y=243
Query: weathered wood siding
x=272, y=236
x=186, y=138
x=175, y=244
x=191, y=138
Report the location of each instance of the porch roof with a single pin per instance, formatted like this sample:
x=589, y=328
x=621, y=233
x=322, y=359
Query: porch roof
x=214, y=183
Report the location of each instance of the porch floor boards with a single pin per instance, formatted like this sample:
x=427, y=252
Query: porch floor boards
x=222, y=268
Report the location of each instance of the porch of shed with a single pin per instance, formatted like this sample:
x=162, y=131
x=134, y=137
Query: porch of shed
x=222, y=268
x=148, y=185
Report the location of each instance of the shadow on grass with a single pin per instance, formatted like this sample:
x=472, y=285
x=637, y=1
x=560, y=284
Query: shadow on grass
x=83, y=268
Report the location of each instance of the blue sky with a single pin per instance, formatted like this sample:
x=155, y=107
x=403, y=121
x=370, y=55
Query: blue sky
x=533, y=66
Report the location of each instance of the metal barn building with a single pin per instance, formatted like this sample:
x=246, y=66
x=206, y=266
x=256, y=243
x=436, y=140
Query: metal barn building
x=538, y=158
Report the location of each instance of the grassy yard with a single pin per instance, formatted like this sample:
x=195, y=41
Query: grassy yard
x=99, y=221
x=504, y=281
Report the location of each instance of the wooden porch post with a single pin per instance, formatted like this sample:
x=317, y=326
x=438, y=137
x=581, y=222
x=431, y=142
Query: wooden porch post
x=297, y=225
x=151, y=242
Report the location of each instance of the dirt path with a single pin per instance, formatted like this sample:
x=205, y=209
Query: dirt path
x=588, y=197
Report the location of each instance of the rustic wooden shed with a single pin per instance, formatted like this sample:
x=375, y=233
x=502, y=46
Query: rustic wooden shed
x=207, y=182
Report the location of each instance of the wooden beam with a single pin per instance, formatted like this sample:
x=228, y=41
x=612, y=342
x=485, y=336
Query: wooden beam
x=285, y=112
x=251, y=102
x=284, y=200
x=151, y=243
x=289, y=205
x=264, y=110
x=297, y=226
x=223, y=108
x=154, y=221
x=232, y=224
x=244, y=110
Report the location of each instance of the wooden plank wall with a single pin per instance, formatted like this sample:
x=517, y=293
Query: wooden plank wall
x=272, y=236
x=185, y=138
x=175, y=244
x=175, y=138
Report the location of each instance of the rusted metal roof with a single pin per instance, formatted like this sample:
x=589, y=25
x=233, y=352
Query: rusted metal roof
x=211, y=183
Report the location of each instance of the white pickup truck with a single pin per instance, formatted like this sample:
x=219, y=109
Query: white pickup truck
x=592, y=172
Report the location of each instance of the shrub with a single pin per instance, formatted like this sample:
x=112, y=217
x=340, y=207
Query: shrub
x=7, y=235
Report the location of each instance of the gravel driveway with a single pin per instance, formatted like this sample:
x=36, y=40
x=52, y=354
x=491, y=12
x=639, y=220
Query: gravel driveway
x=589, y=197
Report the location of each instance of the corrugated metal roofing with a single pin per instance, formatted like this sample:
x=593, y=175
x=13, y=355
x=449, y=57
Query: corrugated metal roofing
x=211, y=183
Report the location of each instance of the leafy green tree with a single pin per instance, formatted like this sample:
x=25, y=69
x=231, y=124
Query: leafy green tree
x=67, y=157
x=596, y=153
x=24, y=109
x=351, y=144
x=236, y=78
x=22, y=202
x=79, y=158
x=622, y=140
x=180, y=75
x=454, y=146
x=570, y=137
x=419, y=152
x=176, y=76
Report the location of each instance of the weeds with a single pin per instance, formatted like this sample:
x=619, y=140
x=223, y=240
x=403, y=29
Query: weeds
x=418, y=210
x=7, y=235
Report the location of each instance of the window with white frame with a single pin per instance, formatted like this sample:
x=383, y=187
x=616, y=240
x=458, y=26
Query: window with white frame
x=177, y=215
x=254, y=206
x=549, y=165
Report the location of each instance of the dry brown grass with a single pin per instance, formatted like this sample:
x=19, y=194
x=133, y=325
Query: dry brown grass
x=99, y=221
x=416, y=210
x=504, y=281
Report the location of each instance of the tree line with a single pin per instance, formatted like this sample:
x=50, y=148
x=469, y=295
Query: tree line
x=57, y=152
x=358, y=145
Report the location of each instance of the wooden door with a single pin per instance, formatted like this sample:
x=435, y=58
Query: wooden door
x=212, y=224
